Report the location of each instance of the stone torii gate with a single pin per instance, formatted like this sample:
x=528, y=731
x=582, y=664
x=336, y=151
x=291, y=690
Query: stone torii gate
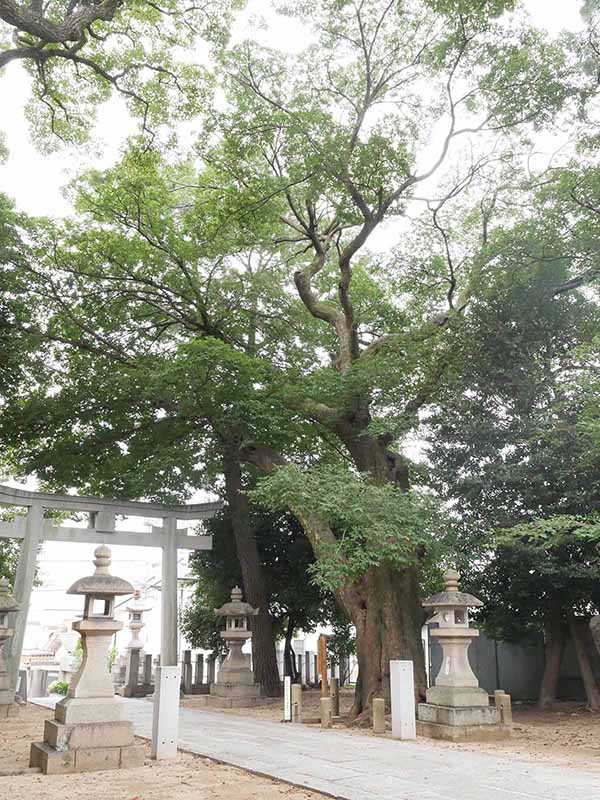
x=32, y=529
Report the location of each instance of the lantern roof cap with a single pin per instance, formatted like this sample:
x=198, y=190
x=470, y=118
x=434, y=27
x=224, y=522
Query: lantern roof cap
x=7, y=601
x=101, y=582
x=137, y=603
x=237, y=607
x=451, y=596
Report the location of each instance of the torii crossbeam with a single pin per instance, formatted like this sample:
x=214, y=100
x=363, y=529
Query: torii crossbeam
x=33, y=529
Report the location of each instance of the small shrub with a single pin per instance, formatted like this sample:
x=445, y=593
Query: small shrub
x=59, y=687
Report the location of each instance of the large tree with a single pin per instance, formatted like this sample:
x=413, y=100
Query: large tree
x=311, y=370
x=337, y=134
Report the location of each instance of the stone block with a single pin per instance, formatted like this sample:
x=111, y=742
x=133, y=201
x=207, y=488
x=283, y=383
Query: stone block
x=378, y=715
x=235, y=690
x=402, y=695
x=74, y=710
x=132, y=756
x=296, y=702
x=165, y=717
x=457, y=696
x=228, y=676
x=51, y=762
x=201, y=688
x=504, y=704
x=90, y=759
x=326, y=708
x=87, y=734
x=463, y=733
x=451, y=715
x=335, y=697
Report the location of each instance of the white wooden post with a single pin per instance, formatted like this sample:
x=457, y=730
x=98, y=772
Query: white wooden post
x=166, y=712
x=23, y=587
x=168, y=598
x=287, y=699
x=402, y=689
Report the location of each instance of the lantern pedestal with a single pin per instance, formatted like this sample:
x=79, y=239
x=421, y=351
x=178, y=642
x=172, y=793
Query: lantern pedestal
x=89, y=731
x=457, y=708
x=8, y=707
x=235, y=686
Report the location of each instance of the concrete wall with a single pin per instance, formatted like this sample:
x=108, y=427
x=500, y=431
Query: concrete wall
x=517, y=668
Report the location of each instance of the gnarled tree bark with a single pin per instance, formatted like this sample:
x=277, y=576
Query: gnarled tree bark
x=384, y=604
x=266, y=671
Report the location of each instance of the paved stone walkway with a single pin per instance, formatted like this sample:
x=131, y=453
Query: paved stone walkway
x=353, y=767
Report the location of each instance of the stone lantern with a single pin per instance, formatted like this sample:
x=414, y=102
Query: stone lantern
x=127, y=667
x=7, y=606
x=89, y=731
x=136, y=608
x=235, y=687
x=456, y=684
x=456, y=708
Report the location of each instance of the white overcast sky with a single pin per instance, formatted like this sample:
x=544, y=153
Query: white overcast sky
x=35, y=180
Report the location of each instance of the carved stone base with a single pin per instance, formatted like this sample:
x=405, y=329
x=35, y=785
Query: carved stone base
x=237, y=690
x=461, y=724
x=213, y=701
x=86, y=734
x=200, y=688
x=141, y=690
x=82, y=747
x=84, y=759
x=457, y=696
x=232, y=695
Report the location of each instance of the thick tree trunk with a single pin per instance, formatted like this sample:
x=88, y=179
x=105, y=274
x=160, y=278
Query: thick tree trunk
x=585, y=667
x=554, y=644
x=384, y=605
x=385, y=610
x=388, y=616
x=264, y=655
x=289, y=656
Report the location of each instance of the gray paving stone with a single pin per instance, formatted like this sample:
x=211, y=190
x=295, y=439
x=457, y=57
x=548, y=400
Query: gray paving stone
x=351, y=767
x=383, y=768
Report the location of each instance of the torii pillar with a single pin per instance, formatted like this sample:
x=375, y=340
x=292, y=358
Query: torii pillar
x=168, y=595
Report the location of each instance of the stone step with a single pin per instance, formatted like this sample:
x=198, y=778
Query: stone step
x=463, y=733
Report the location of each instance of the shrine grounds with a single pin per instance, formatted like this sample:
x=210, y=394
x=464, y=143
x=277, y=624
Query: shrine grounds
x=187, y=777
x=567, y=737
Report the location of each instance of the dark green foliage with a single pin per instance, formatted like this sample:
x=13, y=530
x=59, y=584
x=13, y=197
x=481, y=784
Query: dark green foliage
x=296, y=602
x=507, y=444
x=539, y=571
